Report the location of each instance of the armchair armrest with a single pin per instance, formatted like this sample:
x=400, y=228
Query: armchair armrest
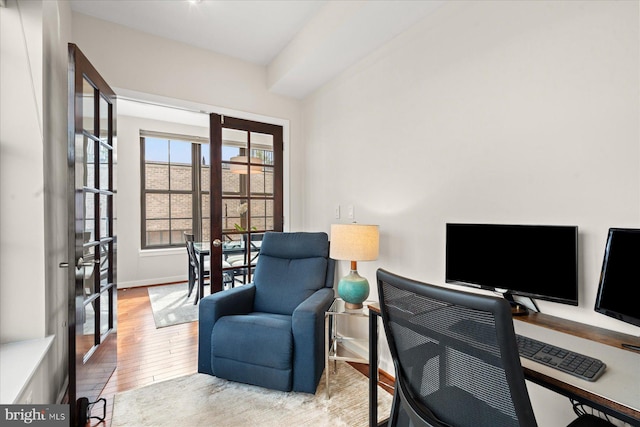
x=307, y=326
x=212, y=307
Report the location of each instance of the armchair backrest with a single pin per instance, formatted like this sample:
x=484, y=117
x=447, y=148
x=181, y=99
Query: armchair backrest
x=455, y=356
x=291, y=267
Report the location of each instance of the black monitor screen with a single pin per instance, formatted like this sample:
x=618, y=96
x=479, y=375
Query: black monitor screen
x=537, y=261
x=620, y=277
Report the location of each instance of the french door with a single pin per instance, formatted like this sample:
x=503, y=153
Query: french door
x=91, y=232
x=246, y=191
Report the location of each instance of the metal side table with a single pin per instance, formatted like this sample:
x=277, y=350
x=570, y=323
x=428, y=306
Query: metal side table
x=335, y=350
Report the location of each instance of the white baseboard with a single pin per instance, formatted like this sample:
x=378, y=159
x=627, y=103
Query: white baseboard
x=355, y=347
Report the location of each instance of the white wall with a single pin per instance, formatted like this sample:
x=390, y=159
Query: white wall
x=21, y=173
x=161, y=70
x=56, y=35
x=33, y=114
x=501, y=112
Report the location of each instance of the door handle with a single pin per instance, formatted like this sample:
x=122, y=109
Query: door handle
x=217, y=243
x=80, y=264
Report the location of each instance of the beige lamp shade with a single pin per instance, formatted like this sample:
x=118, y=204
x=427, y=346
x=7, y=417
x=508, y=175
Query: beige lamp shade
x=242, y=169
x=354, y=242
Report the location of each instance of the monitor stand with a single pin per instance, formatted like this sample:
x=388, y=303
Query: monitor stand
x=517, y=309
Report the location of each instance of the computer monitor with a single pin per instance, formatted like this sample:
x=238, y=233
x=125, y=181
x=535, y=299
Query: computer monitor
x=620, y=276
x=535, y=261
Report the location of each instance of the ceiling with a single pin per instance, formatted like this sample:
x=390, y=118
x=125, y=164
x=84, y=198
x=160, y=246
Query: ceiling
x=302, y=43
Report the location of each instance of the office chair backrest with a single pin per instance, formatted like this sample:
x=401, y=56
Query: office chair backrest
x=291, y=267
x=455, y=356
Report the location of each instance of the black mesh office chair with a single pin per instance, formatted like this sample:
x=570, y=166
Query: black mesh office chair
x=455, y=357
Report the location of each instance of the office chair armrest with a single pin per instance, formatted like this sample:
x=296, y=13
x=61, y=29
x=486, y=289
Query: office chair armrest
x=212, y=307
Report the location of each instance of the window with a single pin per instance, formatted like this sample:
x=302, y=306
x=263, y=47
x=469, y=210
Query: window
x=175, y=188
x=175, y=184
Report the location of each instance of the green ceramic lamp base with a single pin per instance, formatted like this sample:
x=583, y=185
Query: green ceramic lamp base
x=353, y=289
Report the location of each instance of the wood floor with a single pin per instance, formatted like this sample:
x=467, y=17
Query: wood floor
x=147, y=355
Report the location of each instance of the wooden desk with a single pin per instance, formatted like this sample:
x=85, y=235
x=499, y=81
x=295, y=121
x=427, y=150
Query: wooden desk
x=594, y=394
x=617, y=392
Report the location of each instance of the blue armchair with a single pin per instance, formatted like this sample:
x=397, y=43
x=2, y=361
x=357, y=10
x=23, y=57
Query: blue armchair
x=270, y=332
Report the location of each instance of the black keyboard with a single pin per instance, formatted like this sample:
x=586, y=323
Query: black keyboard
x=576, y=364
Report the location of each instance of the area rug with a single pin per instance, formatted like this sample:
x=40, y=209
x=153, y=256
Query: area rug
x=171, y=306
x=200, y=399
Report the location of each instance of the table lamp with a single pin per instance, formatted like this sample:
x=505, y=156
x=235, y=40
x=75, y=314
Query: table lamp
x=354, y=242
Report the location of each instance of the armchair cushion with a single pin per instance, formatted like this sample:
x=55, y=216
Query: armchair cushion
x=256, y=348
x=282, y=284
x=245, y=337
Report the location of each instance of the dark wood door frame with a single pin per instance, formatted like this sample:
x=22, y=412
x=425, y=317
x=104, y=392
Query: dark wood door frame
x=89, y=370
x=217, y=122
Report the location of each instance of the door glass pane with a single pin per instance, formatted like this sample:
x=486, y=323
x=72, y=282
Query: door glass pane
x=233, y=141
x=206, y=218
x=104, y=167
x=104, y=218
x=88, y=271
x=269, y=215
x=233, y=183
x=85, y=328
x=262, y=147
x=105, y=303
x=89, y=222
x=234, y=151
x=104, y=119
x=114, y=212
x=234, y=215
x=258, y=214
x=88, y=106
x=89, y=164
x=114, y=175
x=256, y=243
x=262, y=183
x=105, y=263
x=234, y=251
